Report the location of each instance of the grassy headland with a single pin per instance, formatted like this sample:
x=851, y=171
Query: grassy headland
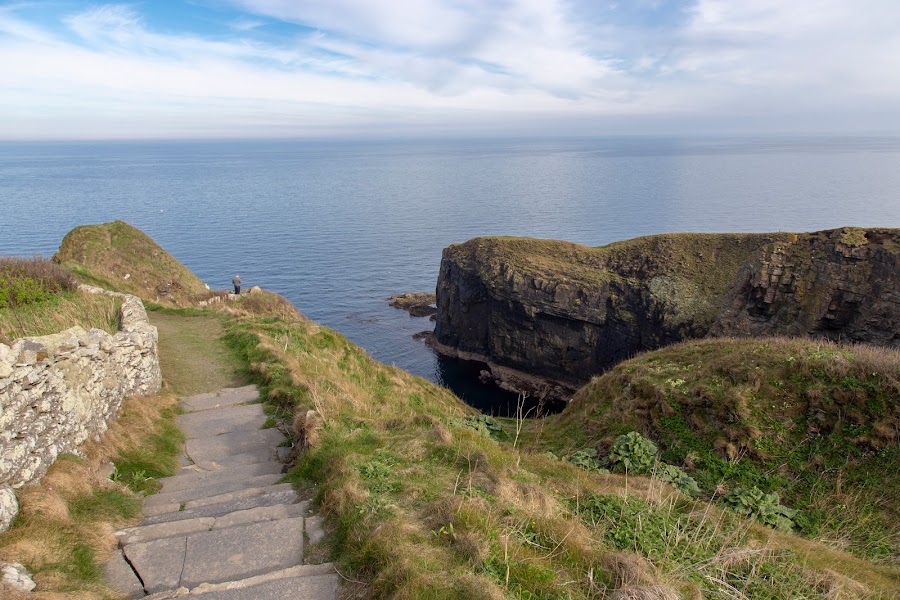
x=428, y=499
x=120, y=257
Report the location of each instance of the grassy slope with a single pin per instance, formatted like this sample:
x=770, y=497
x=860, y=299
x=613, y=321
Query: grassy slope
x=104, y=254
x=425, y=507
x=815, y=422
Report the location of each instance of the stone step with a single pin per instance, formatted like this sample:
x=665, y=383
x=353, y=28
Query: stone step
x=282, y=493
x=210, y=489
x=220, y=399
x=215, y=447
x=305, y=582
x=147, y=533
x=200, y=477
x=222, y=420
x=217, y=556
x=260, y=455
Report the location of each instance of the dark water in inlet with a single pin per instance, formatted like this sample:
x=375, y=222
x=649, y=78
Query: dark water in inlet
x=336, y=227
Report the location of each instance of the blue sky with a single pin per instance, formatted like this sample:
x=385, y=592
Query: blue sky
x=400, y=68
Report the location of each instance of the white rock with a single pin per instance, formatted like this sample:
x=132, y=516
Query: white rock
x=9, y=507
x=16, y=576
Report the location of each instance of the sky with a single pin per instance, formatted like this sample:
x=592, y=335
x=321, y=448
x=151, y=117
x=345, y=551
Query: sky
x=475, y=68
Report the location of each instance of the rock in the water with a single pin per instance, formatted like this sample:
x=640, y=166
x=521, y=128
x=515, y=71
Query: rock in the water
x=16, y=576
x=9, y=507
x=422, y=335
x=418, y=304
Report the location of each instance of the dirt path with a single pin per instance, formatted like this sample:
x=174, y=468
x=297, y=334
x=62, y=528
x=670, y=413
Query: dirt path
x=192, y=356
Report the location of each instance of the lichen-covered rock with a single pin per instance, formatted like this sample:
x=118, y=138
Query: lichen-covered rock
x=9, y=507
x=59, y=390
x=16, y=576
x=566, y=312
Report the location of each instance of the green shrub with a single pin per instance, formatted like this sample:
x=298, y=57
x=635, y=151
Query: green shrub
x=483, y=424
x=767, y=508
x=587, y=459
x=31, y=281
x=633, y=453
x=677, y=477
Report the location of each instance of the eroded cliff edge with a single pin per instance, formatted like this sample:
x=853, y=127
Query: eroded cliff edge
x=564, y=312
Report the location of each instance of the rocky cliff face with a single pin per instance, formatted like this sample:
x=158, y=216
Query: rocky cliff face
x=565, y=312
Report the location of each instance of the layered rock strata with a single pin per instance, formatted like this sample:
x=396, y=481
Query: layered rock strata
x=563, y=312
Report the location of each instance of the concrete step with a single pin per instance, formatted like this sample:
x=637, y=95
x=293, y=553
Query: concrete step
x=221, y=399
x=217, y=556
x=210, y=489
x=147, y=533
x=282, y=493
x=215, y=447
x=223, y=420
x=305, y=582
x=200, y=478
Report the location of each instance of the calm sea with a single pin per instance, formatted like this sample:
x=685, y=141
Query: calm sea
x=336, y=227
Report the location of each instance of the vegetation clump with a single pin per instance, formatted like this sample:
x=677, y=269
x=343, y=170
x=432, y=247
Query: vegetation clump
x=31, y=281
x=767, y=508
x=38, y=297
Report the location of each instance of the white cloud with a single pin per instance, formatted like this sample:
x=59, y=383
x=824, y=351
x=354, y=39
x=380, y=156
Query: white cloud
x=452, y=65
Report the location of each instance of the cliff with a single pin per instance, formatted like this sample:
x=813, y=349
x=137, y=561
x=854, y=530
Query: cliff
x=565, y=312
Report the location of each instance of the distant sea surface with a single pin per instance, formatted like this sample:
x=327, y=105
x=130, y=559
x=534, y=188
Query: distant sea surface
x=336, y=227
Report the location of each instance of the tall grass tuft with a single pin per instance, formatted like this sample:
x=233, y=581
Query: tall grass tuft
x=64, y=311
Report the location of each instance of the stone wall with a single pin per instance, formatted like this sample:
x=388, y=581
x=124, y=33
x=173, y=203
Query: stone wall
x=59, y=390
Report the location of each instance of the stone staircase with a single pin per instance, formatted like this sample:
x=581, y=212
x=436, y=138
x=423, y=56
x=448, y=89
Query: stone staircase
x=223, y=528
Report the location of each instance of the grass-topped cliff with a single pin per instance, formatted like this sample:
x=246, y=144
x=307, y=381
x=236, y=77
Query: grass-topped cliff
x=425, y=498
x=566, y=312
x=121, y=257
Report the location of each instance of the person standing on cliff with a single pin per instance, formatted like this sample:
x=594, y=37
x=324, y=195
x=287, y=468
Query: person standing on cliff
x=237, y=284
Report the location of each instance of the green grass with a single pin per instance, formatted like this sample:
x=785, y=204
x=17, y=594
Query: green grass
x=193, y=359
x=139, y=467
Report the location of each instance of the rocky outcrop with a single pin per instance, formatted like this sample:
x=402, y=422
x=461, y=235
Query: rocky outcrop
x=59, y=390
x=565, y=312
x=841, y=285
x=417, y=304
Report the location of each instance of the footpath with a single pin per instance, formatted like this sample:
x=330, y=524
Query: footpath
x=223, y=528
